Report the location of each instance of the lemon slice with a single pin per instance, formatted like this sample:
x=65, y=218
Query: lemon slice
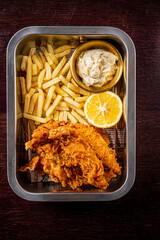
x=103, y=110
x=124, y=108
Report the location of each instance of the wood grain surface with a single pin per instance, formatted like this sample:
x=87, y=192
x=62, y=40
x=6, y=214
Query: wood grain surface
x=136, y=215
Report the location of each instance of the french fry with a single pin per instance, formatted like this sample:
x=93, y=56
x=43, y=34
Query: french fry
x=47, y=89
x=27, y=99
x=31, y=92
x=80, y=111
x=19, y=96
x=54, y=96
x=50, y=40
x=29, y=73
x=62, y=108
x=65, y=68
x=49, y=98
x=61, y=114
x=71, y=118
x=81, y=99
x=63, y=80
x=35, y=110
x=70, y=92
x=34, y=69
x=41, y=78
x=34, y=118
x=39, y=58
x=72, y=102
x=82, y=39
x=34, y=84
x=78, y=117
x=42, y=58
x=50, y=83
x=63, y=104
x=60, y=43
x=68, y=77
x=44, y=50
x=65, y=116
x=73, y=87
x=37, y=122
x=77, y=89
x=18, y=62
x=36, y=60
x=53, y=66
x=24, y=63
x=34, y=78
x=54, y=105
x=59, y=67
x=32, y=103
x=32, y=125
x=54, y=59
x=40, y=103
x=62, y=48
x=48, y=71
x=23, y=88
x=62, y=54
x=61, y=92
x=18, y=89
x=56, y=116
x=50, y=48
x=32, y=51
x=19, y=115
x=83, y=103
x=58, y=73
x=49, y=118
x=57, y=85
x=19, y=110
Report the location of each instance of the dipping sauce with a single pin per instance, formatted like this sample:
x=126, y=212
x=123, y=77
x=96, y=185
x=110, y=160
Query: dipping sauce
x=96, y=67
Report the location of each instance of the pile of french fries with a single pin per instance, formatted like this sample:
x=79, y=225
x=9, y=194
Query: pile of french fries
x=48, y=89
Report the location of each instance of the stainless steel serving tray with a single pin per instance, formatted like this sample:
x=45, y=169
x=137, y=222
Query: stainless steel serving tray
x=16, y=154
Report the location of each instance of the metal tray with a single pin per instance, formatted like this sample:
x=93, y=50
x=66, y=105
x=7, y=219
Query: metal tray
x=34, y=188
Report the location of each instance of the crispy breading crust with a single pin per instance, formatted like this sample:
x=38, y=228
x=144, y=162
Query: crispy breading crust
x=73, y=154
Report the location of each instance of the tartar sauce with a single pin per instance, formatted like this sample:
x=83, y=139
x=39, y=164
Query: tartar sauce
x=96, y=67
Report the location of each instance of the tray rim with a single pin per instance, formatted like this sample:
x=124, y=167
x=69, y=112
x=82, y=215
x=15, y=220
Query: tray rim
x=131, y=110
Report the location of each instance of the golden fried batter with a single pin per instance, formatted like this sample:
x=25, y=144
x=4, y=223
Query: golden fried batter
x=73, y=154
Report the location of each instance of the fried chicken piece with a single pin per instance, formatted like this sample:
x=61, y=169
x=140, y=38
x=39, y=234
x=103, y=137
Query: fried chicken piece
x=100, y=146
x=31, y=165
x=73, y=154
x=95, y=140
x=91, y=167
x=74, y=165
x=103, y=134
x=40, y=135
x=34, y=164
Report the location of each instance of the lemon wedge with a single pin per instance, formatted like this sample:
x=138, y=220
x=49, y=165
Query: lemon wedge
x=103, y=110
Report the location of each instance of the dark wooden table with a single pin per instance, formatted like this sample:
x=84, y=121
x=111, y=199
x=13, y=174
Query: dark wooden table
x=136, y=215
